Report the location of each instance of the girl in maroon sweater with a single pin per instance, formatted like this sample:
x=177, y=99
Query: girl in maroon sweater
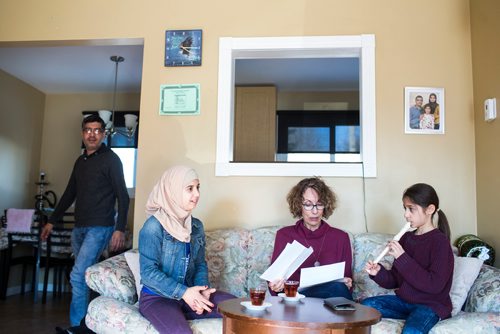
x=422, y=271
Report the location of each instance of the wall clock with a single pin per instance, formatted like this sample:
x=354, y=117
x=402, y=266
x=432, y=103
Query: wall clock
x=183, y=47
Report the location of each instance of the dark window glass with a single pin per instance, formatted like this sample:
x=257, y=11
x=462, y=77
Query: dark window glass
x=318, y=131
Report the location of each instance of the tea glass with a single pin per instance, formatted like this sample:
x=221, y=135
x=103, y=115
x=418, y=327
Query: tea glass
x=257, y=296
x=291, y=288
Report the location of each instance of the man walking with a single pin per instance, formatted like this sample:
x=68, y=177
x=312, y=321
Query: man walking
x=96, y=184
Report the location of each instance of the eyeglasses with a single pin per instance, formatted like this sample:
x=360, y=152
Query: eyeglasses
x=310, y=206
x=96, y=131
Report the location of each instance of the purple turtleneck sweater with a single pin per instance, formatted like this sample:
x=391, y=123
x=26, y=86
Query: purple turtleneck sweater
x=423, y=273
x=330, y=245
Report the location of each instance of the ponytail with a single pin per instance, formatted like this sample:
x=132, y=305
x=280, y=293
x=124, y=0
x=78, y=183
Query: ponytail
x=442, y=223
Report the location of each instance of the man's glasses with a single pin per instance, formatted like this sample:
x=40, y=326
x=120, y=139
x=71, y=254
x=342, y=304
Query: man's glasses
x=96, y=131
x=310, y=206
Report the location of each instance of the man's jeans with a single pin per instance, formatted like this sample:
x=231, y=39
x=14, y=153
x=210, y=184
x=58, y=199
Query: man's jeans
x=419, y=318
x=88, y=243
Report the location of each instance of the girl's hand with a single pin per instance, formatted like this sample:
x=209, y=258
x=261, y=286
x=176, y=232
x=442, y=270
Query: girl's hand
x=372, y=268
x=348, y=282
x=207, y=292
x=196, y=300
x=277, y=285
x=395, y=249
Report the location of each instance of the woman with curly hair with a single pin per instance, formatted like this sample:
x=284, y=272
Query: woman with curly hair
x=312, y=201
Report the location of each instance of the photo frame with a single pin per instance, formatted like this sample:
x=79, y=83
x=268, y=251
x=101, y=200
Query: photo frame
x=180, y=99
x=183, y=47
x=424, y=110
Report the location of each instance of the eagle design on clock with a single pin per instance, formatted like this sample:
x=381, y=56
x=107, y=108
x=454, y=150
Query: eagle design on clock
x=183, y=48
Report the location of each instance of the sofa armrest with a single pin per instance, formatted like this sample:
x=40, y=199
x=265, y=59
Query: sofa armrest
x=112, y=278
x=484, y=295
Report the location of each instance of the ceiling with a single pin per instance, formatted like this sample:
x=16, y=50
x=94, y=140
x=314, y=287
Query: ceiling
x=300, y=74
x=74, y=69
x=88, y=69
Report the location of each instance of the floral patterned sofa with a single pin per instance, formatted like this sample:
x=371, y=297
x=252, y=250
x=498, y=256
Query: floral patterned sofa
x=236, y=257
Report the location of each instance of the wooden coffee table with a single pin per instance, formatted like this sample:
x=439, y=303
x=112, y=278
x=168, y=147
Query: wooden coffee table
x=309, y=315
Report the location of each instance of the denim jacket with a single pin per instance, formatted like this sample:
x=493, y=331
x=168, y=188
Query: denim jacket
x=163, y=259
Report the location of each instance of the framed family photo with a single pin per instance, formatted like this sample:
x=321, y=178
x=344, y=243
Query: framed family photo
x=424, y=110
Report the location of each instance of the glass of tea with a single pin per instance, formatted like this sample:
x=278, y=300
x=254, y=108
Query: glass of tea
x=291, y=288
x=257, y=295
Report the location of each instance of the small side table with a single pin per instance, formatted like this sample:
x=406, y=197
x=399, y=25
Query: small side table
x=306, y=316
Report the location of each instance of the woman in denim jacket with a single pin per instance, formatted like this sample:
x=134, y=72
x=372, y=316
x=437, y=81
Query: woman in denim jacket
x=174, y=272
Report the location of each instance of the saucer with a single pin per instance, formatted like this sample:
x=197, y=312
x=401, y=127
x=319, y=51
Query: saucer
x=251, y=307
x=291, y=299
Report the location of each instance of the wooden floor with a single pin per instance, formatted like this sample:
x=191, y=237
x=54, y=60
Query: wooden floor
x=18, y=314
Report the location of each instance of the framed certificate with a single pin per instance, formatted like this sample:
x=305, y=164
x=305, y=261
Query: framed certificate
x=180, y=99
x=183, y=47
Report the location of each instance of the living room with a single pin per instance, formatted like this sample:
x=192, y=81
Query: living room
x=446, y=45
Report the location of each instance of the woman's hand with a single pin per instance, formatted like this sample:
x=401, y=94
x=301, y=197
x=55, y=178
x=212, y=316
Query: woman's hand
x=348, y=282
x=395, y=249
x=372, y=268
x=207, y=292
x=277, y=285
x=195, y=298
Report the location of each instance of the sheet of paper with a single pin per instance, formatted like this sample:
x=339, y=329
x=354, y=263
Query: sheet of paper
x=317, y=275
x=287, y=262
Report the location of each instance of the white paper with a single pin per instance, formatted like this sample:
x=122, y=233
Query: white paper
x=287, y=262
x=317, y=275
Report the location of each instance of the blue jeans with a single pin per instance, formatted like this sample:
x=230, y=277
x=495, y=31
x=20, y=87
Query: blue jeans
x=88, y=243
x=419, y=318
x=171, y=315
x=327, y=290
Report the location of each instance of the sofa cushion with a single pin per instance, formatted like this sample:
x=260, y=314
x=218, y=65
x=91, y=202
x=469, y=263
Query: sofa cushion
x=107, y=315
x=113, y=278
x=469, y=323
x=132, y=257
x=480, y=323
x=367, y=246
x=464, y=274
x=484, y=295
x=226, y=255
x=387, y=325
x=260, y=250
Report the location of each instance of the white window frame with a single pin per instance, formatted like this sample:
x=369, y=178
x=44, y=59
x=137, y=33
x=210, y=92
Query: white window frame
x=359, y=46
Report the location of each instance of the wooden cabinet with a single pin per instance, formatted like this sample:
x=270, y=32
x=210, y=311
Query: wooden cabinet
x=255, y=124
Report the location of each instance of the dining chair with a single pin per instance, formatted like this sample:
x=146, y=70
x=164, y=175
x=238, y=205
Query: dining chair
x=58, y=256
x=32, y=257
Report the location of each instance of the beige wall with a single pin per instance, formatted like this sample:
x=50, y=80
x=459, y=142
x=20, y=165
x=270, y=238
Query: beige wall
x=407, y=54
x=21, y=116
x=486, y=71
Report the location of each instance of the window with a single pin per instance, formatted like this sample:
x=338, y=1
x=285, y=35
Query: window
x=329, y=133
x=344, y=159
x=128, y=156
